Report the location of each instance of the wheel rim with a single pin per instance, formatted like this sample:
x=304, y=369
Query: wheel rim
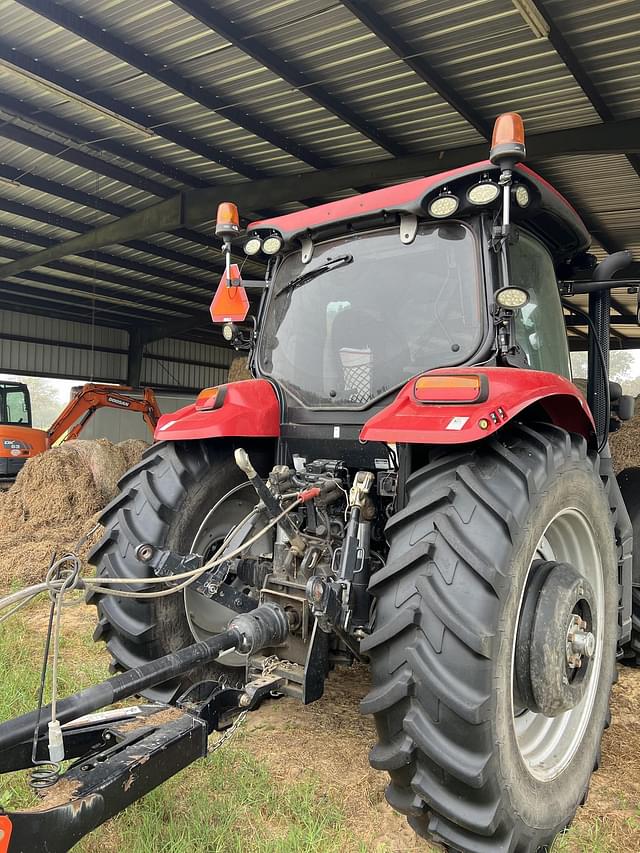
x=207, y=618
x=547, y=745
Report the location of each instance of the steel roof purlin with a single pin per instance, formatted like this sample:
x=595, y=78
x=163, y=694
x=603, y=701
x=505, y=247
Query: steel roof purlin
x=243, y=38
x=208, y=98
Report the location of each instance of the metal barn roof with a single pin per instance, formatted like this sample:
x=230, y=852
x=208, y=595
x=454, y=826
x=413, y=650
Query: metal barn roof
x=115, y=107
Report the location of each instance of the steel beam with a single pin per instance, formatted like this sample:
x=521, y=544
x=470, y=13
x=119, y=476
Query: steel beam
x=56, y=289
x=25, y=296
x=245, y=40
x=34, y=140
x=206, y=97
x=196, y=206
x=31, y=139
x=32, y=238
x=137, y=294
x=68, y=224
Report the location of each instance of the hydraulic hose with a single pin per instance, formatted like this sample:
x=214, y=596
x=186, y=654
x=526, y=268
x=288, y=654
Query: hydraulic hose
x=267, y=625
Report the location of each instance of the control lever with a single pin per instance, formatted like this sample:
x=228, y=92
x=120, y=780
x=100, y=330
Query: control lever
x=272, y=505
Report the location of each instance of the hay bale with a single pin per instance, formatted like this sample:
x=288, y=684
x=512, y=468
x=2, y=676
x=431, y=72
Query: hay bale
x=132, y=448
x=106, y=462
x=53, y=502
x=625, y=443
x=238, y=369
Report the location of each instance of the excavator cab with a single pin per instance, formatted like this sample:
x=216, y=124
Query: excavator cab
x=15, y=404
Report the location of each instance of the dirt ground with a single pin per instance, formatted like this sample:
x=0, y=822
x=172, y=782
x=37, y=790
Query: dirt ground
x=332, y=739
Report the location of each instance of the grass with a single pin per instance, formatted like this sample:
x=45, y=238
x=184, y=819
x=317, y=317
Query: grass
x=237, y=802
x=227, y=803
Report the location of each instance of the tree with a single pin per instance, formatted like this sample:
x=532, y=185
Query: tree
x=46, y=399
x=623, y=368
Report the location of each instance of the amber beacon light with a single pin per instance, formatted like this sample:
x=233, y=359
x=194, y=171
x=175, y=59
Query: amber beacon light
x=507, y=143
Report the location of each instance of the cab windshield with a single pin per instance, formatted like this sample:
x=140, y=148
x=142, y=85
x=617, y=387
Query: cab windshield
x=369, y=312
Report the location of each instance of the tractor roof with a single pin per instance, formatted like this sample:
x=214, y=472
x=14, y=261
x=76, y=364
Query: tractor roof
x=551, y=216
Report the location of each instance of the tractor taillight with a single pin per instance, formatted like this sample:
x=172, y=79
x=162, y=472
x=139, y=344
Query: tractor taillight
x=207, y=399
x=450, y=388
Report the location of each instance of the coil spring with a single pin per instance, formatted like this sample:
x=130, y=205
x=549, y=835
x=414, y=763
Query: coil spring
x=44, y=775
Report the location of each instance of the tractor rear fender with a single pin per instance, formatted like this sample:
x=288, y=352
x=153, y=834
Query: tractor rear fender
x=249, y=408
x=504, y=393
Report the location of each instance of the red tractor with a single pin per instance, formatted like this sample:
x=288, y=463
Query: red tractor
x=411, y=480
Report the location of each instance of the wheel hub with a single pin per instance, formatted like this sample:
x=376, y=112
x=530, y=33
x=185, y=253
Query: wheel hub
x=556, y=639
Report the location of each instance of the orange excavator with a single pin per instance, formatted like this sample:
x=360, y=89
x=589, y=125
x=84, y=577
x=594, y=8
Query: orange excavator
x=19, y=440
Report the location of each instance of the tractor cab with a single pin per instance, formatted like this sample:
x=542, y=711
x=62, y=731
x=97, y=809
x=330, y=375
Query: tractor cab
x=366, y=293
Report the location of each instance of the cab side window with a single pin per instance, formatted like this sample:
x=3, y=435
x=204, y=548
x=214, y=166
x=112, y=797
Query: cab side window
x=540, y=328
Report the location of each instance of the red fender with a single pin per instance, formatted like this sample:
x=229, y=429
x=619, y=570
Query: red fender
x=247, y=409
x=509, y=392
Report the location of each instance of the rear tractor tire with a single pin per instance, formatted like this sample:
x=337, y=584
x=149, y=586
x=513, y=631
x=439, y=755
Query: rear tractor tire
x=185, y=496
x=493, y=651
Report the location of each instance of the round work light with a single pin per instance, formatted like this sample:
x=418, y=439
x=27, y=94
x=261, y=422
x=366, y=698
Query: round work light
x=442, y=206
x=252, y=246
x=483, y=193
x=512, y=297
x=272, y=245
x=522, y=195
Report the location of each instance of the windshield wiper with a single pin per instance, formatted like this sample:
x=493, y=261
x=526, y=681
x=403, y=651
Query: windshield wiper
x=309, y=275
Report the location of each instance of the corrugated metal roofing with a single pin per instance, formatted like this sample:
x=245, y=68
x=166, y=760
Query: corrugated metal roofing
x=163, y=136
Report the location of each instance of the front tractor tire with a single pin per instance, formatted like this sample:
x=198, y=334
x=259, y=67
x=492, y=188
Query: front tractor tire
x=500, y=549
x=166, y=500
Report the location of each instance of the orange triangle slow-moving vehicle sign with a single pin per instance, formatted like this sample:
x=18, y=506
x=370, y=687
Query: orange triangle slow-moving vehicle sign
x=230, y=304
x=5, y=833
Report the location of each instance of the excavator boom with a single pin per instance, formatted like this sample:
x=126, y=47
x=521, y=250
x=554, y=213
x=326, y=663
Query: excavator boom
x=90, y=397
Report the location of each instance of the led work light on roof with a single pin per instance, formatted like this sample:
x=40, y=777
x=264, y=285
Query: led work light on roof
x=512, y=298
x=483, y=193
x=444, y=205
x=272, y=245
x=522, y=195
x=252, y=246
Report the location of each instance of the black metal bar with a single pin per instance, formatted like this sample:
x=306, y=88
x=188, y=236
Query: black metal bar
x=134, y=357
x=206, y=97
x=35, y=239
x=120, y=687
x=196, y=206
x=134, y=762
x=244, y=39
